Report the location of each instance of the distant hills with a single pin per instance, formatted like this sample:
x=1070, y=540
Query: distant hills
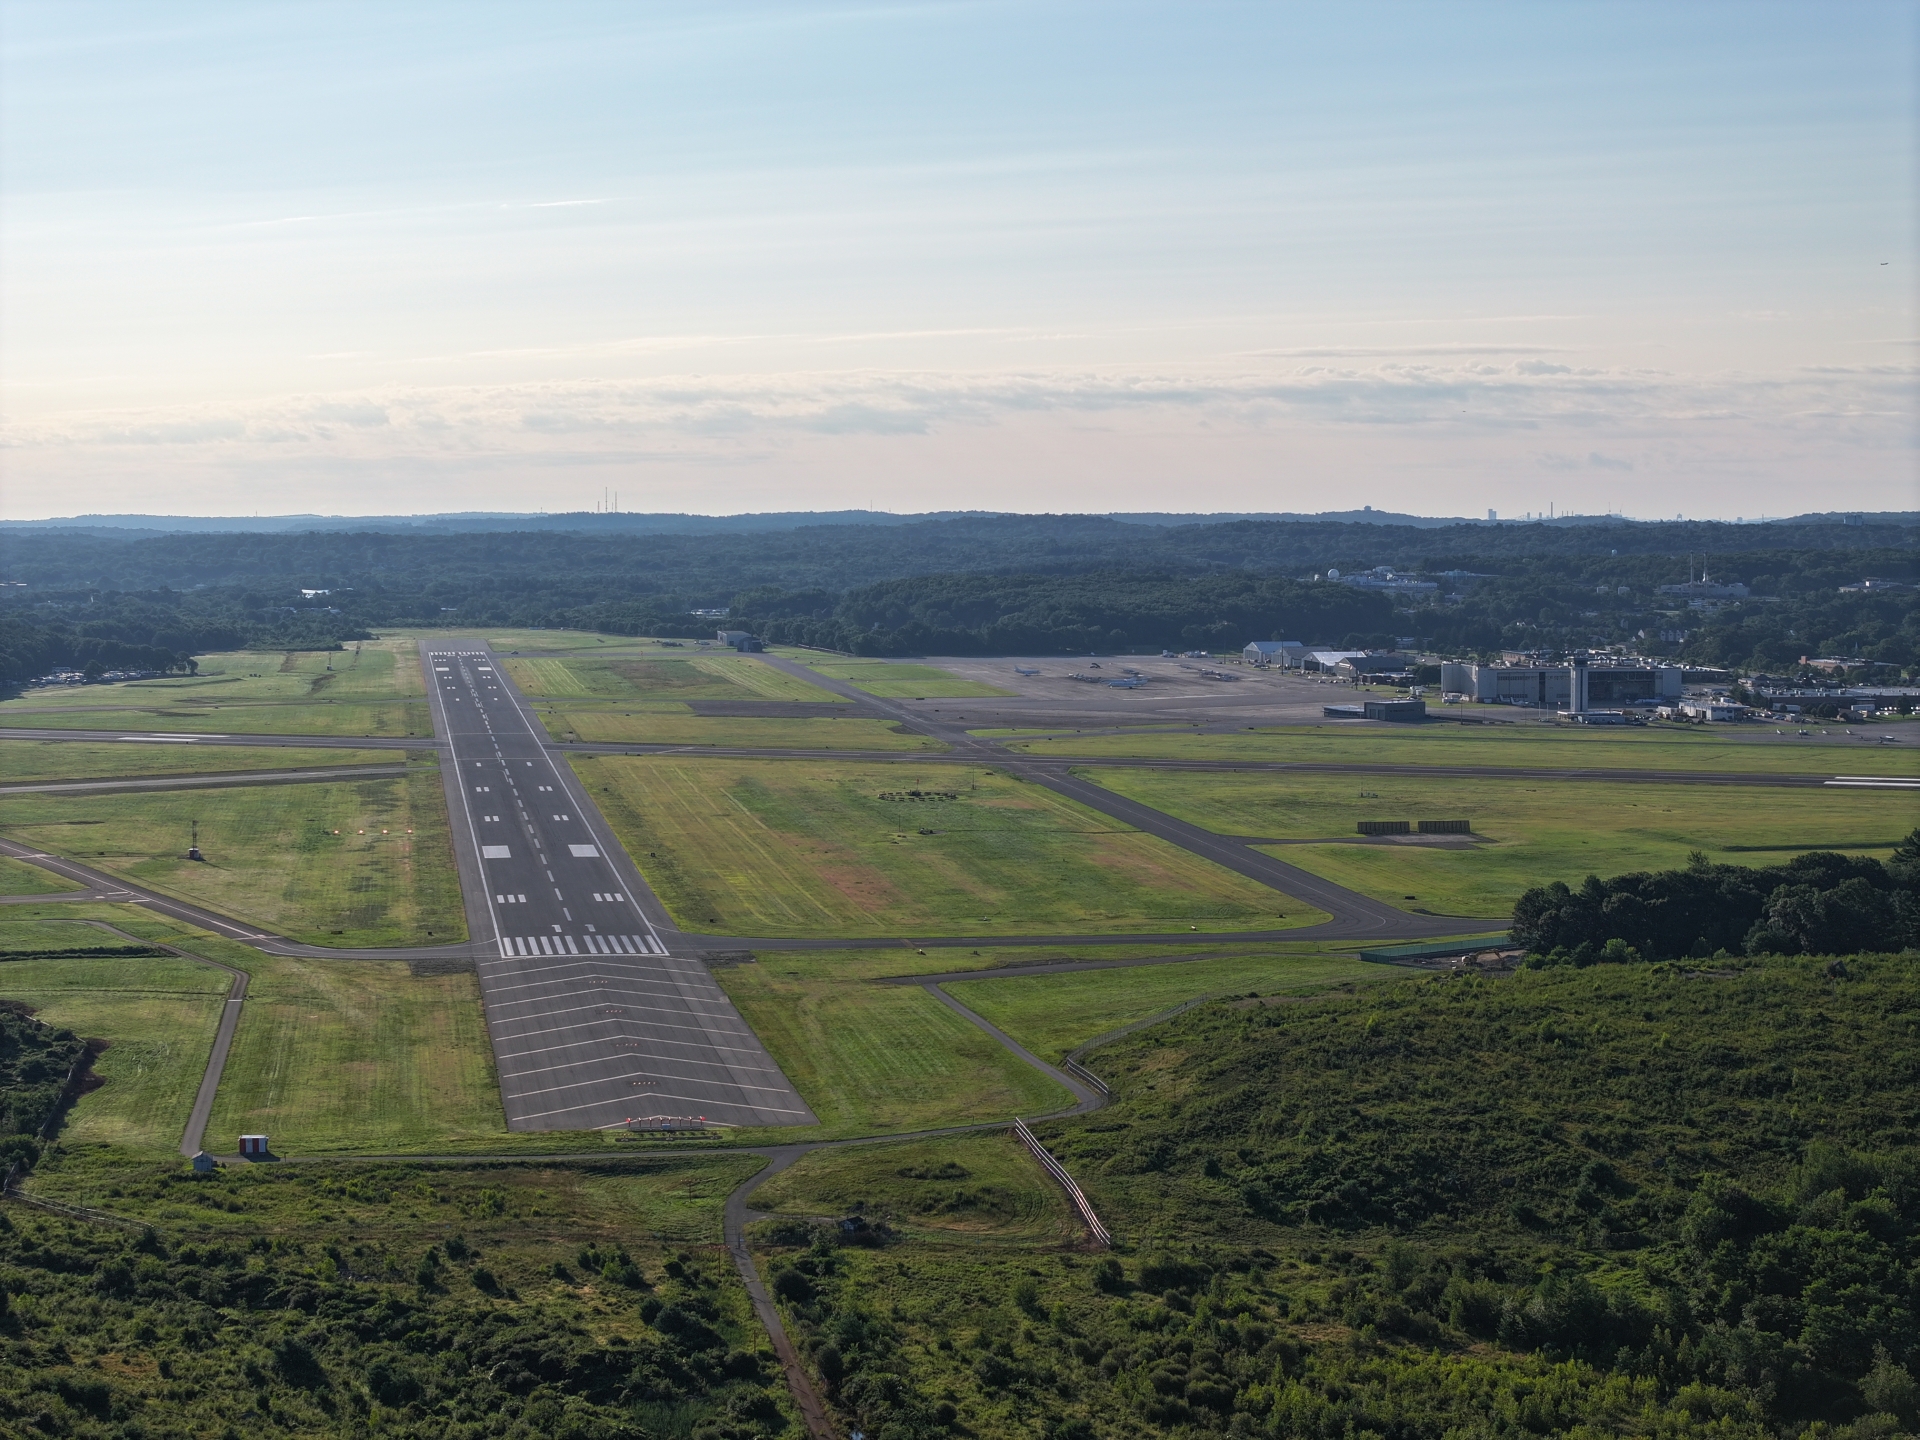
x=613, y=523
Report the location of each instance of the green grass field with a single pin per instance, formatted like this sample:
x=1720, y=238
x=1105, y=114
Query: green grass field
x=1532, y=831
x=272, y=855
x=677, y=725
x=338, y=1056
x=1706, y=748
x=331, y=1056
x=967, y=1187
x=19, y=878
x=376, y=689
x=652, y=677
x=158, y=1015
x=1052, y=1014
x=872, y=1057
x=506, y=641
x=897, y=680
x=780, y=847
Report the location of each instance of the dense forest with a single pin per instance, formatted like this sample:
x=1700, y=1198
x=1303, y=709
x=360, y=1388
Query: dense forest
x=1059, y=584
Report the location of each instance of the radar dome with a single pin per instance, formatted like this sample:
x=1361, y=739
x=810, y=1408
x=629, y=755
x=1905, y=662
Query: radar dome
x=1332, y=574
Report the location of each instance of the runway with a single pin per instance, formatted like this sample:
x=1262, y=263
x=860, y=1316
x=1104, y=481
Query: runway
x=593, y=1020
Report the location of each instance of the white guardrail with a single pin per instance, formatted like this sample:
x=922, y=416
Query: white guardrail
x=1080, y=1072
x=1101, y=1235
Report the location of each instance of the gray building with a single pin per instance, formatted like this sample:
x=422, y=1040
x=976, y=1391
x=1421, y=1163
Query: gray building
x=1377, y=710
x=1559, y=687
x=1284, y=653
x=1387, y=662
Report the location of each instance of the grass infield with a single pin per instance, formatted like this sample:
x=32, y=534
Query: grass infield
x=650, y=677
x=272, y=855
x=1051, y=1014
x=781, y=847
x=895, y=680
x=358, y=1055
x=19, y=878
x=677, y=725
x=374, y=688
x=1528, y=832
x=158, y=1017
x=872, y=1057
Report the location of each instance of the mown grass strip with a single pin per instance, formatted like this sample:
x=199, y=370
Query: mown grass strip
x=747, y=847
x=877, y=1057
x=272, y=853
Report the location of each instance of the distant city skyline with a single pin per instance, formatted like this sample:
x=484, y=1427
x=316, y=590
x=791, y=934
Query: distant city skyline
x=723, y=258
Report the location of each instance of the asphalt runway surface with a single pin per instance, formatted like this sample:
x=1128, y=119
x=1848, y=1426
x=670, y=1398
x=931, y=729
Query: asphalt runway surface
x=594, y=1022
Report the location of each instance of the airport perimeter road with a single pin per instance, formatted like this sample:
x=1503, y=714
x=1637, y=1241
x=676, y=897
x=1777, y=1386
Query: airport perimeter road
x=593, y=1021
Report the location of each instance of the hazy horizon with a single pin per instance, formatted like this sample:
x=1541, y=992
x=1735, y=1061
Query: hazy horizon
x=345, y=259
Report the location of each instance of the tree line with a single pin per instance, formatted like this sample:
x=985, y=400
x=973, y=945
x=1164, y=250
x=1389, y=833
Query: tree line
x=1820, y=903
x=1062, y=584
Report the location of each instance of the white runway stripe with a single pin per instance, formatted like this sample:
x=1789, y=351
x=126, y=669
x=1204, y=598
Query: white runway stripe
x=659, y=965
x=601, y=1007
x=654, y=1096
x=513, y=946
x=599, y=1042
x=642, y=1074
x=609, y=984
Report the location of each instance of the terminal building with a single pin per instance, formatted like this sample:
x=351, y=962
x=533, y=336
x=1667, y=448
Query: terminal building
x=1575, y=687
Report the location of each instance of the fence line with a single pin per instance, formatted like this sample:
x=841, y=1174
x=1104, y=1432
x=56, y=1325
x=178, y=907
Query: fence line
x=10, y=1189
x=1075, y=1068
x=1101, y=1235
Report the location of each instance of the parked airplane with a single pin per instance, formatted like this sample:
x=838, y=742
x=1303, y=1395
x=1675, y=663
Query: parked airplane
x=1023, y=670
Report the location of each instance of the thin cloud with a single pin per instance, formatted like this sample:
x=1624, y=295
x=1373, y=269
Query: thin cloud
x=1446, y=391
x=1382, y=352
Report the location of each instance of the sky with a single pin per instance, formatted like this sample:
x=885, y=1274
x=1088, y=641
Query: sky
x=376, y=258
